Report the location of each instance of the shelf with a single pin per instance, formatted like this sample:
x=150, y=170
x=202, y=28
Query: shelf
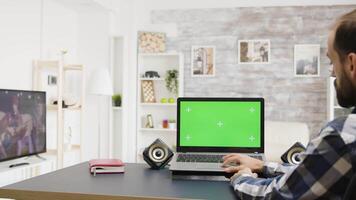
x=73, y=67
x=74, y=148
x=54, y=64
x=158, y=104
x=158, y=129
x=48, y=64
x=159, y=54
x=55, y=107
x=52, y=107
x=152, y=79
x=117, y=108
x=51, y=152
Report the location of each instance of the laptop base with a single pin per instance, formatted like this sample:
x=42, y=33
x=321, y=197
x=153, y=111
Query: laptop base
x=201, y=175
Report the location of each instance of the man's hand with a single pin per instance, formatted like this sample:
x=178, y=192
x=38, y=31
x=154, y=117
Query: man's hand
x=243, y=161
x=244, y=170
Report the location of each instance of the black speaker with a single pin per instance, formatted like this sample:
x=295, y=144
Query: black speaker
x=291, y=156
x=158, y=154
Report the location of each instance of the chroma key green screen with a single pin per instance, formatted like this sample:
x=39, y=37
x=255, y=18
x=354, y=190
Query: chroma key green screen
x=220, y=123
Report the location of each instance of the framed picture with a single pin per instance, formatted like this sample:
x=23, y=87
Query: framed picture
x=52, y=80
x=254, y=51
x=307, y=60
x=203, y=61
x=151, y=42
x=148, y=92
x=149, y=121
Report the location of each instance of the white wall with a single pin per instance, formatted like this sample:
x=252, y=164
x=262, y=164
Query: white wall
x=93, y=52
x=59, y=32
x=25, y=36
x=19, y=42
x=20, y=38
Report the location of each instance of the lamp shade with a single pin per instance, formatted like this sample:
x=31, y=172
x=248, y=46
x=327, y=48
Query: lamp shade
x=100, y=83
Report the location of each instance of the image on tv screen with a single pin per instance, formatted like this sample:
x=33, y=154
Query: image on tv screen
x=22, y=123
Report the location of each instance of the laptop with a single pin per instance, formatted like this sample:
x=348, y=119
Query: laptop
x=209, y=128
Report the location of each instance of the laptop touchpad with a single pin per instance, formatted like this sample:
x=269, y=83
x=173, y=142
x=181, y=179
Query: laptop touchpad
x=207, y=166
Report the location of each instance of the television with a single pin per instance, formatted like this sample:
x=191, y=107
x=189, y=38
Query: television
x=22, y=123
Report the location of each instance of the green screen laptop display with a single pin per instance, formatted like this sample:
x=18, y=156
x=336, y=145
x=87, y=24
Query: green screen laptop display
x=220, y=124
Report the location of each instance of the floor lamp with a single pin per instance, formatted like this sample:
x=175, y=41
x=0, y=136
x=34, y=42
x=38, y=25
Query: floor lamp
x=101, y=86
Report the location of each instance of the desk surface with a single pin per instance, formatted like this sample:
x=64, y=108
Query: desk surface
x=137, y=181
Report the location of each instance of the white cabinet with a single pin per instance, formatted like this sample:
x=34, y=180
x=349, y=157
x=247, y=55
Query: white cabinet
x=36, y=167
x=334, y=109
x=156, y=118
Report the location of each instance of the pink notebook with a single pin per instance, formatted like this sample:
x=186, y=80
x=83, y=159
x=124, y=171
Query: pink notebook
x=106, y=166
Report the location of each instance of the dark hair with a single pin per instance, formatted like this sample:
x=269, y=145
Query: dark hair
x=345, y=35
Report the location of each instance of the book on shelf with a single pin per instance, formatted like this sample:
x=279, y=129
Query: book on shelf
x=106, y=166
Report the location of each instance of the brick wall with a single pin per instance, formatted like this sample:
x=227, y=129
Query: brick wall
x=287, y=98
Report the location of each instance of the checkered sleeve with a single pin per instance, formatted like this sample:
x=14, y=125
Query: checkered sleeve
x=272, y=169
x=324, y=163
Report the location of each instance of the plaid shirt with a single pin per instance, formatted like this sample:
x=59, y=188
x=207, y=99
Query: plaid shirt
x=324, y=172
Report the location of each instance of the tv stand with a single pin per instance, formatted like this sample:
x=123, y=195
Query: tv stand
x=18, y=164
x=16, y=172
x=40, y=157
x=37, y=156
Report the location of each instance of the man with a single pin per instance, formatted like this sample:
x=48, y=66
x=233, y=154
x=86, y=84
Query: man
x=329, y=161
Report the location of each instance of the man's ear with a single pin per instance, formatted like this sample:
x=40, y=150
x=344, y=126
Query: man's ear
x=351, y=60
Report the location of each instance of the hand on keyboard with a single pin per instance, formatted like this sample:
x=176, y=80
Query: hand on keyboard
x=254, y=164
x=230, y=171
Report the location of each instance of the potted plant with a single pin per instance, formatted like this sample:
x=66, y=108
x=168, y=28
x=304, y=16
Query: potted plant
x=116, y=100
x=172, y=81
x=172, y=124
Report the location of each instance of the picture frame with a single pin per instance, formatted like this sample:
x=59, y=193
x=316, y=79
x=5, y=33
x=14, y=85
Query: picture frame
x=151, y=42
x=307, y=60
x=148, y=92
x=203, y=61
x=256, y=51
x=51, y=80
x=149, y=121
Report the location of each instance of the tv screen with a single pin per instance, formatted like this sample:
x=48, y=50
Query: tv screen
x=22, y=123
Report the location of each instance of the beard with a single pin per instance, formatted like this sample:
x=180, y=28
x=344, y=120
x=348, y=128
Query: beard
x=345, y=93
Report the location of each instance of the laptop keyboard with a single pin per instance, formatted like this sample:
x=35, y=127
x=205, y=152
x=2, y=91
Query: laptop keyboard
x=213, y=158
x=200, y=158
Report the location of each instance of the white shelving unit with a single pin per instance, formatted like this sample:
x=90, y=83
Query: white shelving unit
x=334, y=109
x=159, y=62
x=157, y=129
x=66, y=152
x=159, y=104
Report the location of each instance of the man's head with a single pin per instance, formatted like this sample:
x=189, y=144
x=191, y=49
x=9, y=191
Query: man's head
x=342, y=54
